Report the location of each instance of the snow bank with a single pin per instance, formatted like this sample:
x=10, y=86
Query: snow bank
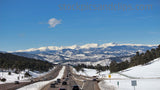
x=142, y=84
x=36, y=74
x=151, y=70
x=13, y=77
x=39, y=85
x=103, y=85
x=149, y=78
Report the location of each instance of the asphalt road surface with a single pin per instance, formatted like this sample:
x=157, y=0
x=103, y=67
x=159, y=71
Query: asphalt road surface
x=72, y=80
x=67, y=78
x=84, y=82
x=12, y=86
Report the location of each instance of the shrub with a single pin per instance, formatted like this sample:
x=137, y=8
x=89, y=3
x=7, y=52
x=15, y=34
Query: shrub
x=16, y=71
x=9, y=73
x=3, y=79
x=27, y=74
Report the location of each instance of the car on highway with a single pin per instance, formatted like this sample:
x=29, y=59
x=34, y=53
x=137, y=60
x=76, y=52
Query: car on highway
x=76, y=87
x=94, y=79
x=69, y=74
x=52, y=85
x=62, y=89
x=56, y=82
x=16, y=82
x=66, y=79
x=64, y=83
x=59, y=80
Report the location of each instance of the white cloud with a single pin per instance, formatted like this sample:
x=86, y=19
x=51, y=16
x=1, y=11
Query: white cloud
x=53, y=22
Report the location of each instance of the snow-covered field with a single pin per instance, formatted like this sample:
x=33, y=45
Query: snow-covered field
x=148, y=77
x=14, y=77
x=151, y=70
x=40, y=85
x=142, y=84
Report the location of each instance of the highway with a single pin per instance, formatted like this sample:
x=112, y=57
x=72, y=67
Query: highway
x=70, y=82
x=12, y=86
x=84, y=82
x=72, y=79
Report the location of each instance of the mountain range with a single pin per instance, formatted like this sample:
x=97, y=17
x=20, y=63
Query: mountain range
x=87, y=54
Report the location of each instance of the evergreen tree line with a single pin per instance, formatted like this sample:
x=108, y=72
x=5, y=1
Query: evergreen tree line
x=10, y=61
x=138, y=59
x=98, y=67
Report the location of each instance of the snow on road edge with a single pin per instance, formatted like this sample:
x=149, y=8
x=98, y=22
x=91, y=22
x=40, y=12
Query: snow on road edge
x=14, y=77
x=40, y=85
x=106, y=86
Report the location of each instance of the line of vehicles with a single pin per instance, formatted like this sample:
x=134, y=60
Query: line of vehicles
x=53, y=85
x=64, y=82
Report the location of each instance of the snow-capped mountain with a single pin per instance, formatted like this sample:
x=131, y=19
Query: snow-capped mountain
x=85, y=53
x=86, y=46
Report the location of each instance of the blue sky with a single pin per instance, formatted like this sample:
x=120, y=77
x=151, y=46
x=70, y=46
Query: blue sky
x=24, y=24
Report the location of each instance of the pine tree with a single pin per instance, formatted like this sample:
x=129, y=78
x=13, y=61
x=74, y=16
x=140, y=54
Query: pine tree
x=113, y=66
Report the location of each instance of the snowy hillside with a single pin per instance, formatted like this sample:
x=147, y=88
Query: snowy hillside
x=125, y=84
x=147, y=77
x=14, y=77
x=151, y=70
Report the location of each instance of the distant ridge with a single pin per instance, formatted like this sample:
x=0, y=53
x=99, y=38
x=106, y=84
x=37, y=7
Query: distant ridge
x=86, y=46
x=88, y=54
